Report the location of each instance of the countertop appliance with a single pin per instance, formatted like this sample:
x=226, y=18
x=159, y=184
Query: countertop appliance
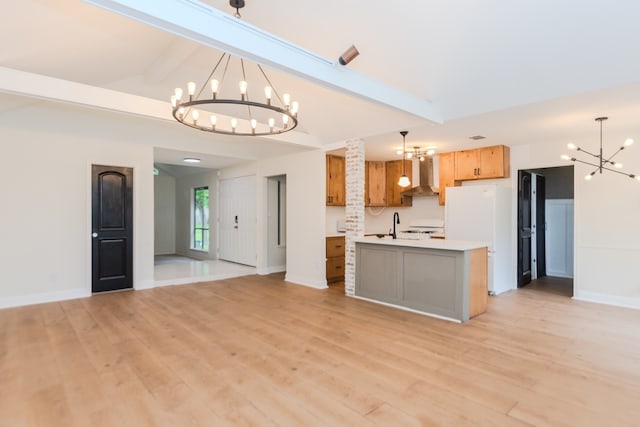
x=482, y=213
x=424, y=228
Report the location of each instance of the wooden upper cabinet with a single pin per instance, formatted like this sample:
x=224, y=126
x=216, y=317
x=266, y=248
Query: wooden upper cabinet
x=393, y=190
x=336, y=183
x=482, y=163
x=375, y=183
x=446, y=175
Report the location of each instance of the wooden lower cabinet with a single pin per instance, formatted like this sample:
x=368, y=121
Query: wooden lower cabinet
x=335, y=259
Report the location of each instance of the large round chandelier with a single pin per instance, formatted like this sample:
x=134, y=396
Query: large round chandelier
x=223, y=107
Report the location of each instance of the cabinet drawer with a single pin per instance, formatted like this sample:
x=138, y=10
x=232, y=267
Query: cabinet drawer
x=335, y=268
x=335, y=247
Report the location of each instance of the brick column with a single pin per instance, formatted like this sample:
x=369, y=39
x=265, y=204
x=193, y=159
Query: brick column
x=354, y=212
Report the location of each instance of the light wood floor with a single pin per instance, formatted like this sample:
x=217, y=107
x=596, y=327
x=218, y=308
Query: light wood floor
x=258, y=351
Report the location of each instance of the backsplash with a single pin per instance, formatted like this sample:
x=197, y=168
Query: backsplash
x=379, y=220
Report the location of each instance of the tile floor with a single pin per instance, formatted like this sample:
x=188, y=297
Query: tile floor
x=179, y=270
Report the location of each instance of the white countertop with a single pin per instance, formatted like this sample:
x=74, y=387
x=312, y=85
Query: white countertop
x=445, y=244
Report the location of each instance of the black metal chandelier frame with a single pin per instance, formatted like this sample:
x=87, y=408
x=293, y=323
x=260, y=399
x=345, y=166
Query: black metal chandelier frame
x=187, y=113
x=602, y=162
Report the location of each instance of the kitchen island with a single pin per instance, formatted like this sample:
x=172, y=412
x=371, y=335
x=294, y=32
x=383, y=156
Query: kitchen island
x=436, y=277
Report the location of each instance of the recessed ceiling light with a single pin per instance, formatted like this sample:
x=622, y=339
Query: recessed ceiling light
x=191, y=160
x=477, y=137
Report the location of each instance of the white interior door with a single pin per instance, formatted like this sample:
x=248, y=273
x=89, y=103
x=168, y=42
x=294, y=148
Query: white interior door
x=559, y=239
x=237, y=220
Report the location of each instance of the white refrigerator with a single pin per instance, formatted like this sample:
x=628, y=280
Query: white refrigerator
x=482, y=213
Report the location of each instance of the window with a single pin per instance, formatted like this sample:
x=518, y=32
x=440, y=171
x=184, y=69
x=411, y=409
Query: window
x=201, y=218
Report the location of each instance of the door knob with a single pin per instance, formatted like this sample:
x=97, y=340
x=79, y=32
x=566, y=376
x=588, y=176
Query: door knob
x=94, y=235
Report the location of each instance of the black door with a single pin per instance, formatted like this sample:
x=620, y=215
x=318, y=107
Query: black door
x=112, y=227
x=524, y=228
x=541, y=260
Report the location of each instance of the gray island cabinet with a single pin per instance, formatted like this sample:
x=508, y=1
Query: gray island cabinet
x=441, y=278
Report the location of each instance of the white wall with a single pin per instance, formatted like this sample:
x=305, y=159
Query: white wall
x=45, y=183
x=164, y=190
x=183, y=202
x=607, y=223
x=305, y=252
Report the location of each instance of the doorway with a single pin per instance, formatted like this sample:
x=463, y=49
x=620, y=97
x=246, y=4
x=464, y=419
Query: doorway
x=112, y=228
x=276, y=224
x=545, y=226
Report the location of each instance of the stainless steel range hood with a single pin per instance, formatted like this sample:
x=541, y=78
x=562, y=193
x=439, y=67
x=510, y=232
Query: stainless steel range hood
x=426, y=186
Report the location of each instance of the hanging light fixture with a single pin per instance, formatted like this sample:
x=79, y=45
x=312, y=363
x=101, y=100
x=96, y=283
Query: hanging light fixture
x=418, y=153
x=404, y=179
x=602, y=162
x=212, y=110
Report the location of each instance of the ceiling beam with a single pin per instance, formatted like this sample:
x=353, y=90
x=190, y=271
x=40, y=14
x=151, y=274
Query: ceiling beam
x=33, y=85
x=211, y=27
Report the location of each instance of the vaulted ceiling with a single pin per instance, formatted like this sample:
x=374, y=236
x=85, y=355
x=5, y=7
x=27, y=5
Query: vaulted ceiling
x=514, y=71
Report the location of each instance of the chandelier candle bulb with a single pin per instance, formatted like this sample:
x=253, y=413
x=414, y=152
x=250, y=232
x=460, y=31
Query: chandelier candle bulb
x=243, y=89
x=234, y=124
x=294, y=107
x=254, y=123
x=181, y=113
x=213, y=121
x=191, y=90
x=178, y=93
x=267, y=94
x=286, y=98
x=173, y=101
x=272, y=122
x=196, y=116
x=628, y=142
x=214, y=88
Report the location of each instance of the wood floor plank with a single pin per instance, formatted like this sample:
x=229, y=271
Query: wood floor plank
x=258, y=351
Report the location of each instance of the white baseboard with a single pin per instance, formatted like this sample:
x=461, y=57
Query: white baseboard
x=305, y=281
x=41, y=298
x=607, y=299
x=144, y=284
x=273, y=269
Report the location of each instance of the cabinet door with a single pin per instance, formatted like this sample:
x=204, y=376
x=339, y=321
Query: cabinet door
x=393, y=190
x=336, y=190
x=466, y=165
x=375, y=192
x=493, y=162
x=446, y=174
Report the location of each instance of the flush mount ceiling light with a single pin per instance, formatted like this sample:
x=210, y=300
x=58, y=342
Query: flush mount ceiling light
x=404, y=179
x=191, y=160
x=418, y=153
x=602, y=162
x=212, y=109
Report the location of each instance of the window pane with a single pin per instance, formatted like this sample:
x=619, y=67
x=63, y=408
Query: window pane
x=201, y=218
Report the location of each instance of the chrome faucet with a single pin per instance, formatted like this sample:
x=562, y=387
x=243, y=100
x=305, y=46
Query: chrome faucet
x=396, y=220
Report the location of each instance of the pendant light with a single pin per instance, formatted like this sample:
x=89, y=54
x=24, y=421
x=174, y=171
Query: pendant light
x=404, y=179
x=602, y=162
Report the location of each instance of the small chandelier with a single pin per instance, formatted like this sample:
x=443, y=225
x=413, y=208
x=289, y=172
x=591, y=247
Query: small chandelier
x=602, y=162
x=404, y=179
x=418, y=153
x=242, y=116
